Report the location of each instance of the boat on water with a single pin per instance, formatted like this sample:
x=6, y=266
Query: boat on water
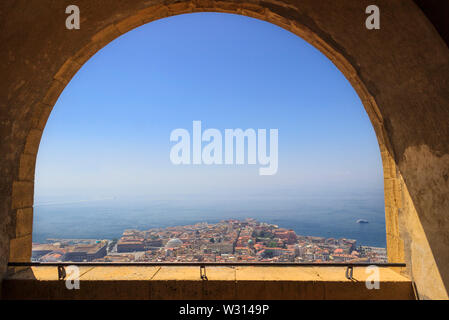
x=362, y=221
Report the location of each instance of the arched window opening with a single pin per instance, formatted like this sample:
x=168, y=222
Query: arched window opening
x=109, y=185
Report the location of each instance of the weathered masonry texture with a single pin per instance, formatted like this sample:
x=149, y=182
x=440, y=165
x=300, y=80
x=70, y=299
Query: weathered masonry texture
x=400, y=72
x=155, y=282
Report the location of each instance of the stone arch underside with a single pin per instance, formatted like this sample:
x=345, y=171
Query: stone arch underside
x=403, y=85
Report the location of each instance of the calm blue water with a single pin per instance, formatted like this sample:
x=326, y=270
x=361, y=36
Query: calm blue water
x=325, y=216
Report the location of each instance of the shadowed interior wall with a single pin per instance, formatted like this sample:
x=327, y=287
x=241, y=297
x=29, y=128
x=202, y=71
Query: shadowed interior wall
x=437, y=12
x=400, y=73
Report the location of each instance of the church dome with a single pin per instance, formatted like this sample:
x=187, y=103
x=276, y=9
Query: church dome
x=174, y=243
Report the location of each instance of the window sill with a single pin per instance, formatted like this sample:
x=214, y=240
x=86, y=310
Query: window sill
x=184, y=282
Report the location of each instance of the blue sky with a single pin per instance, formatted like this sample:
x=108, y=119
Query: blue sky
x=108, y=134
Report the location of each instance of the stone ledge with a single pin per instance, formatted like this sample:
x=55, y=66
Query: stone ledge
x=249, y=282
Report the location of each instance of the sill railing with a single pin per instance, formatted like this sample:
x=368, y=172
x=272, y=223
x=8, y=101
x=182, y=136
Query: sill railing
x=202, y=265
x=197, y=264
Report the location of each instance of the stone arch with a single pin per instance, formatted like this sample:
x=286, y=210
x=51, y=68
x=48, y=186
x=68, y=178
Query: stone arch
x=407, y=107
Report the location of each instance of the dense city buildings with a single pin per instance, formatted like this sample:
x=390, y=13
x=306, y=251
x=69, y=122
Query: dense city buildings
x=226, y=241
x=77, y=250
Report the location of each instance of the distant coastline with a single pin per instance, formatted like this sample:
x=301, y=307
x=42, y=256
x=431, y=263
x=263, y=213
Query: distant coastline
x=107, y=219
x=227, y=241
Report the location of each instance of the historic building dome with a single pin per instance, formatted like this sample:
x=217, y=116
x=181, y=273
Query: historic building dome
x=174, y=243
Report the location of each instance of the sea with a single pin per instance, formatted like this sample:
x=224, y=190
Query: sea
x=330, y=216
